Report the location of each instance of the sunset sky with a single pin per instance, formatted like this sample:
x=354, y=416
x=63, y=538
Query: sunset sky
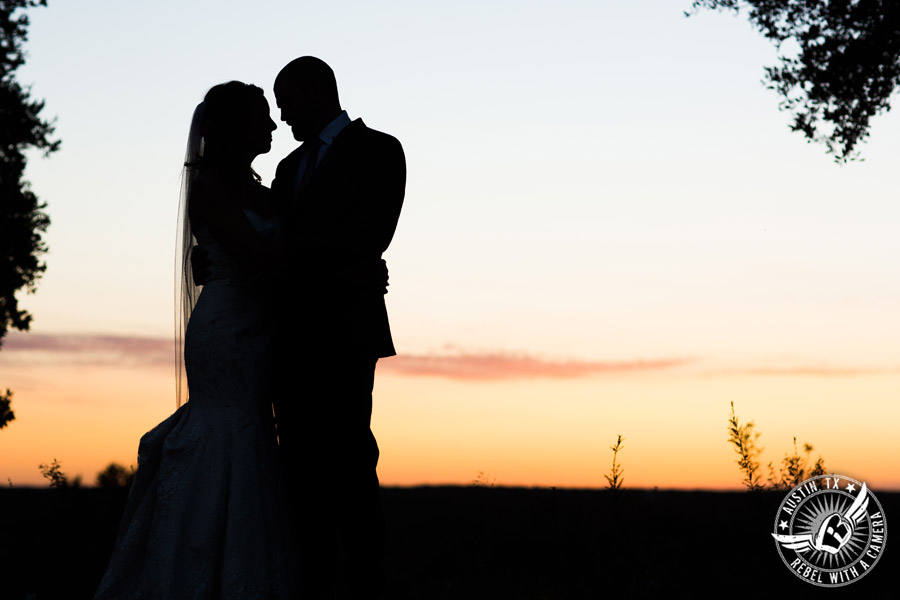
x=608, y=229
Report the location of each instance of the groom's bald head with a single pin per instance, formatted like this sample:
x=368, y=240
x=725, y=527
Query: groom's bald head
x=306, y=92
x=311, y=74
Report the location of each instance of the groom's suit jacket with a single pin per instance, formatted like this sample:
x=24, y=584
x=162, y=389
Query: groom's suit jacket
x=336, y=228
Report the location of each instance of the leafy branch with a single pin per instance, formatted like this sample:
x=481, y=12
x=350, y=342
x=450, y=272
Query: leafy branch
x=842, y=68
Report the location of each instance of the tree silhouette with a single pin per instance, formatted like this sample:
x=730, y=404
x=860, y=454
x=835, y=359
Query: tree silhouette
x=22, y=216
x=839, y=69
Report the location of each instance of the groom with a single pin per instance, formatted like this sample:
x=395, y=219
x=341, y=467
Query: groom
x=340, y=193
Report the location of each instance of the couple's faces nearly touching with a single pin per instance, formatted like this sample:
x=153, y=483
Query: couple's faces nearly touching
x=259, y=127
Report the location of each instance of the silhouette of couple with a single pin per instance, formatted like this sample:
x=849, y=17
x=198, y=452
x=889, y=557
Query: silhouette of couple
x=291, y=314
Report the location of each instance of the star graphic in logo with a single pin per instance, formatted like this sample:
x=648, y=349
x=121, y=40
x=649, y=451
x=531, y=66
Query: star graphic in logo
x=783, y=524
x=851, y=487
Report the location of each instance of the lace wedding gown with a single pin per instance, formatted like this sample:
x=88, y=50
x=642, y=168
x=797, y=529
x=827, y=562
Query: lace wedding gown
x=206, y=516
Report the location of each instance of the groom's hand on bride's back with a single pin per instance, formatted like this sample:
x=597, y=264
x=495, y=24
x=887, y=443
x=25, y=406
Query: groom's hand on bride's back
x=375, y=277
x=365, y=275
x=200, y=265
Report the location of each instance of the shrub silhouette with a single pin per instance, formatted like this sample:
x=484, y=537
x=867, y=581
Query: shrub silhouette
x=794, y=468
x=115, y=476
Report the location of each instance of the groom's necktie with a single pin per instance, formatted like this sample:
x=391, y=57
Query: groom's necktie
x=312, y=154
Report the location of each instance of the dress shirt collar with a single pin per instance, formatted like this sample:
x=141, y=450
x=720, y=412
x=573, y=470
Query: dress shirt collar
x=331, y=131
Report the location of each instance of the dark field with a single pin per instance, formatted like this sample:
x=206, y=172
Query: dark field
x=482, y=542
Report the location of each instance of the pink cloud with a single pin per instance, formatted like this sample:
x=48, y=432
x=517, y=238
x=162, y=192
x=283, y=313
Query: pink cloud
x=504, y=365
x=104, y=349
x=92, y=349
x=453, y=363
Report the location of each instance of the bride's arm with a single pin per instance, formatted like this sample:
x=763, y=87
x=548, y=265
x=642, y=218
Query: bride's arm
x=216, y=205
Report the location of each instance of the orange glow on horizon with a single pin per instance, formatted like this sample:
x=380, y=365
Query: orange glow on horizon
x=539, y=432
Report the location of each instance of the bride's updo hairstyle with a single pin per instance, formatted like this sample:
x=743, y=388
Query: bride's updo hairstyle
x=223, y=130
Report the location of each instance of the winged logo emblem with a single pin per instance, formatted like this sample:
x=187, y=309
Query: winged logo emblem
x=833, y=533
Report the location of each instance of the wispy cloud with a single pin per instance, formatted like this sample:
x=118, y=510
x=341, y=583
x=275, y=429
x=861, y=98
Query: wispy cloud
x=505, y=365
x=33, y=349
x=105, y=349
x=88, y=349
x=821, y=371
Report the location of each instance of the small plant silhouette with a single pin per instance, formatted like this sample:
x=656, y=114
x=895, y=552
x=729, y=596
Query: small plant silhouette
x=54, y=474
x=483, y=479
x=615, y=479
x=744, y=438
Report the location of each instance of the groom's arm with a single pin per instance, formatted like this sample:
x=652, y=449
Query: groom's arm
x=389, y=184
x=372, y=215
x=373, y=211
x=354, y=217
x=374, y=277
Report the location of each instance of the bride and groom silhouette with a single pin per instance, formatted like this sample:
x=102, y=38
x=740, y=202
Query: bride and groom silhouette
x=229, y=500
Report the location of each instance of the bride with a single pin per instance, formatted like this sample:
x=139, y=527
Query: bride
x=206, y=516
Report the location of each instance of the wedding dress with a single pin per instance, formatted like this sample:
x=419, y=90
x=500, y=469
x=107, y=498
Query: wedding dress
x=207, y=517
